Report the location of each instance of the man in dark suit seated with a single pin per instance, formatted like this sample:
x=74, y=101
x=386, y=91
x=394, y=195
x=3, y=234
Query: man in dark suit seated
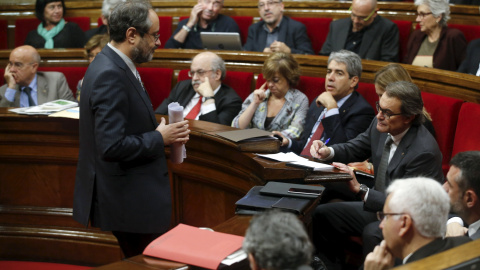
x=365, y=33
x=25, y=86
x=277, y=33
x=204, y=17
x=413, y=223
x=471, y=64
x=463, y=187
x=399, y=146
x=204, y=97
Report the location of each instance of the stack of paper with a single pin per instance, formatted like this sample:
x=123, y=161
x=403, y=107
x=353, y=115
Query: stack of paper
x=46, y=108
x=296, y=160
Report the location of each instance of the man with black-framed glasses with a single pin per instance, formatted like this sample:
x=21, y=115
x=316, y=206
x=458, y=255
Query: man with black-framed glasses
x=204, y=96
x=413, y=223
x=399, y=146
x=365, y=32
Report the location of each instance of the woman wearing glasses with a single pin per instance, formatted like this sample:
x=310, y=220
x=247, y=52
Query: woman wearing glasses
x=54, y=31
x=277, y=106
x=435, y=44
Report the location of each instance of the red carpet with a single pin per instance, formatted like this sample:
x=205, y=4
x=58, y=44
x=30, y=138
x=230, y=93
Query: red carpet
x=19, y=265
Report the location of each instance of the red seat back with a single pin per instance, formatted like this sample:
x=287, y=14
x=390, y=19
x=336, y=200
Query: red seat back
x=367, y=90
x=83, y=22
x=317, y=30
x=471, y=32
x=157, y=82
x=404, y=30
x=3, y=35
x=310, y=86
x=183, y=75
x=467, y=131
x=2, y=79
x=444, y=112
x=72, y=74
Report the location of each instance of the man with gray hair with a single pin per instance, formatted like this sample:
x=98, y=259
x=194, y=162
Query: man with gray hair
x=399, y=146
x=205, y=97
x=413, y=223
x=365, y=32
x=277, y=240
x=107, y=8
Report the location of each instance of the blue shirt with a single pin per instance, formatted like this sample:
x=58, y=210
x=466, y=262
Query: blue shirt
x=10, y=93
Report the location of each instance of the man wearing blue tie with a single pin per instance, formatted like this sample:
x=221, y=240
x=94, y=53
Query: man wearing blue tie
x=25, y=86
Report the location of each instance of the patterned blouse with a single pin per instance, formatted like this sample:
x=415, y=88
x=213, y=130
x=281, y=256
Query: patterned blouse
x=289, y=120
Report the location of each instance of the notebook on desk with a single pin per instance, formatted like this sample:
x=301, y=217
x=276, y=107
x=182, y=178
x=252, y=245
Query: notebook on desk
x=221, y=41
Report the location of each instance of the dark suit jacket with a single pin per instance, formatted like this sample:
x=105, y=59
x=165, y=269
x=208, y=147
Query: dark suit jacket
x=102, y=29
x=471, y=63
x=380, y=40
x=291, y=32
x=416, y=155
x=50, y=86
x=354, y=117
x=122, y=169
x=436, y=246
x=227, y=102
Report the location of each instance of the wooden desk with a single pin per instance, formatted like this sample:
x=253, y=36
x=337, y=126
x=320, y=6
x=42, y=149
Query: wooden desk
x=38, y=157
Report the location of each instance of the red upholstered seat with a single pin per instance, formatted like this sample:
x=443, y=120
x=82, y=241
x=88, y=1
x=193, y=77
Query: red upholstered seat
x=367, y=90
x=72, y=74
x=3, y=34
x=310, y=86
x=20, y=265
x=2, y=79
x=444, y=112
x=404, y=29
x=157, y=82
x=467, y=133
x=183, y=75
x=317, y=30
x=471, y=32
x=25, y=25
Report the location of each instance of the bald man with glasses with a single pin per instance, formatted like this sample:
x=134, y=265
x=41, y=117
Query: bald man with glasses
x=365, y=32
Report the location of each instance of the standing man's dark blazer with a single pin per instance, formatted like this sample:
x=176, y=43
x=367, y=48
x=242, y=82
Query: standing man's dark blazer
x=416, y=155
x=227, y=102
x=291, y=32
x=472, y=61
x=122, y=182
x=380, y=40
x=355, y=115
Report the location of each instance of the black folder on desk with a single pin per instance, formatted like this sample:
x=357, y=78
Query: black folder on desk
x=284, y=189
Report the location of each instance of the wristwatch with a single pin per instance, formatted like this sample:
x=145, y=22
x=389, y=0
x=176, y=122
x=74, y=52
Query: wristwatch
x=207, y=98
x=361, y=193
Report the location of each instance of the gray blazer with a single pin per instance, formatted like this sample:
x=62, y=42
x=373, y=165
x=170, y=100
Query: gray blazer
x=50, y=86
x=380, y=40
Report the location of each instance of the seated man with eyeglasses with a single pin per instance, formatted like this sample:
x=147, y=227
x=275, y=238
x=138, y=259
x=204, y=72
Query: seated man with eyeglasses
x=277, y=33
x=365, y=33
x=204, y=17
x=399, y=146
x=413, y=223
x=204, y=97
x=25, y=86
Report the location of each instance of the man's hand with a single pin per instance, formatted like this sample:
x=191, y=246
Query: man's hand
x=455, y=229
x=362, y=166
x=319, y=150
x=205, y=89
x=326, y=100
x=380, y=258
x=9, y=79
x=267, y=50
x=175, y=132
x=284, y=139
x=194, y=15
x=353, y=184
x=259, y=94
x=278, y=46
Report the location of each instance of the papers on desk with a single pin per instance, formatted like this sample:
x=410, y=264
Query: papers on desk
x=295, y=160
x=198, y=247
x=46, y=108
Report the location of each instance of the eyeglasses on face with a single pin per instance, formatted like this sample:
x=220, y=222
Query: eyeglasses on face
x=422, y=15
x=19, y=65
x=199, y=72
x=381, y=215
x=262, y=5
x=363, y=18
x=155, y=36
x=386, y=112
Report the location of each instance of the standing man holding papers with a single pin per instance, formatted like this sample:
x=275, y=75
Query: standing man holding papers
x=122, y=182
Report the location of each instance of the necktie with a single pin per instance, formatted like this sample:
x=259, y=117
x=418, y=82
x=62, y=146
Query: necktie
x=28, y=91
x=195, y=110
x=139, y=79
x=380, y=182
x=316, y=136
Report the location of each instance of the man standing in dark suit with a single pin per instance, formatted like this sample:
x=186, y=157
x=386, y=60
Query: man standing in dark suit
x=471, y=64
x=365, y=33
x=399, y=146
x=277, y=33
x=340, y=113
x=122, y=182
x=413, y=223
x=204, y=97
x=463, y=188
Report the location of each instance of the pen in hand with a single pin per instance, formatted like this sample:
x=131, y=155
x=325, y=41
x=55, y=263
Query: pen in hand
x=325, y=143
